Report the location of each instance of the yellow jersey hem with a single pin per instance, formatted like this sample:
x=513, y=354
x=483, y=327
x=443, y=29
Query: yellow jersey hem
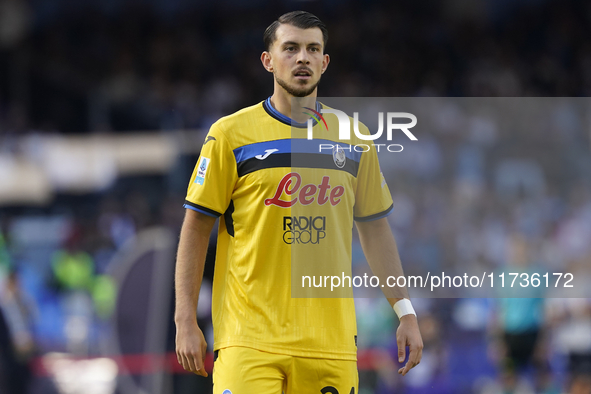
x=308, y=353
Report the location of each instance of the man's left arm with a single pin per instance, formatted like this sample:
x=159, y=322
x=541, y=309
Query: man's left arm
x=379, y=247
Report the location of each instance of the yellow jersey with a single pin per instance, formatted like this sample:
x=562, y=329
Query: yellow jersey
x=286, y=205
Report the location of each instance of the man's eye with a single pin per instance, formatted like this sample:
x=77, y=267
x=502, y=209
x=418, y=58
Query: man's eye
x=314, y=49
x=290, y=49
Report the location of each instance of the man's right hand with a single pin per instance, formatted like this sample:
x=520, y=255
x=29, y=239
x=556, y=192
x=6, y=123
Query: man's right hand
x=191, y=347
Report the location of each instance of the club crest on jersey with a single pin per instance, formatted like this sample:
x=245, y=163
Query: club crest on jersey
x=338, y=155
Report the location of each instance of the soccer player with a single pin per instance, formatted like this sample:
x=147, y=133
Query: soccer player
x=283, y=204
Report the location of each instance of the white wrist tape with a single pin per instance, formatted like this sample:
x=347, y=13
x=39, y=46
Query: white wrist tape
x=403, y=308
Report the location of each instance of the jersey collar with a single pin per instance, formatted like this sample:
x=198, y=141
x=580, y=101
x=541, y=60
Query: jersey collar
x=285, y=119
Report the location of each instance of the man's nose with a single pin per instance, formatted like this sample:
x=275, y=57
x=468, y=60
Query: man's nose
x=303, y=57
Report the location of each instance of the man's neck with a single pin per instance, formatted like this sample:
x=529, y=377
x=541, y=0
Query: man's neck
x=291, y=106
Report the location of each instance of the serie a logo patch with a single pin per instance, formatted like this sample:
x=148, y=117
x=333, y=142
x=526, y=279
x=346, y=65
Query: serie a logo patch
x=201, y=170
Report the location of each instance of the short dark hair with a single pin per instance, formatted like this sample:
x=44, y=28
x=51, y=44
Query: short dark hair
x=301, y=19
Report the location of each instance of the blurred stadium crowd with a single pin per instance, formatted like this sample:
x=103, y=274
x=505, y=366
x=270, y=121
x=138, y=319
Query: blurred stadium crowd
x=476, y=197
x=105, y=65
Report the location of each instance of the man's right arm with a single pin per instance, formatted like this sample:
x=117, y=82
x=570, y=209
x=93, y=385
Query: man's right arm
x=190, y=342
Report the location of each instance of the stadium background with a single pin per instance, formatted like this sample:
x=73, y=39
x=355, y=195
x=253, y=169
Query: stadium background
x=103, y=109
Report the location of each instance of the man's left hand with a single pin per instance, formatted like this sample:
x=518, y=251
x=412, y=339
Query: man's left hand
x=408, y=334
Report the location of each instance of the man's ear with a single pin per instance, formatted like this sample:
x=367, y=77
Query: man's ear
x=267, y=61
x=325, y=62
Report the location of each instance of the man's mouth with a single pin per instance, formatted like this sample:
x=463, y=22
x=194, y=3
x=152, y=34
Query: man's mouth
x=303, y=74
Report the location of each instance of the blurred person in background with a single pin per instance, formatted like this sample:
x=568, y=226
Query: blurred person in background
x=19, y=314
x=570, y=319
x=4, y=256
x=520, y=327
x=7, y=356
x=73, y=278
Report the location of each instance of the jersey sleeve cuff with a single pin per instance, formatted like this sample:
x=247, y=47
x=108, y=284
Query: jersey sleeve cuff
x=203, y=210
x=375, y=216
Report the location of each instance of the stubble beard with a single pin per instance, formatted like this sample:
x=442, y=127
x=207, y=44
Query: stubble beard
x=294, y=91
